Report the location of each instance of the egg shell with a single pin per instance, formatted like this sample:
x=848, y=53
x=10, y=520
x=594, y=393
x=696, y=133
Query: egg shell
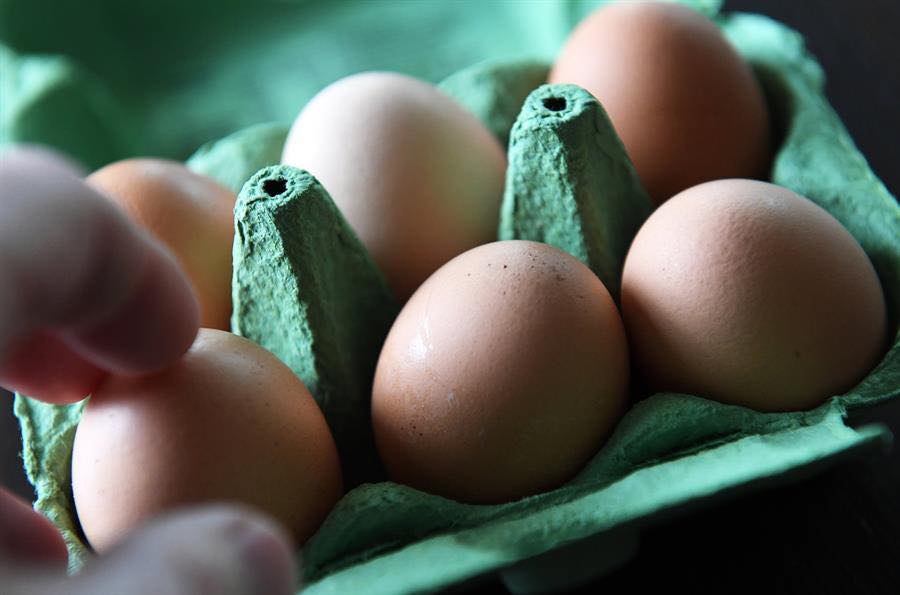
x=747, y=293
x=189, y=213
x=228, y=422
x=682, y=99
x=502, y=375
x=418, y=177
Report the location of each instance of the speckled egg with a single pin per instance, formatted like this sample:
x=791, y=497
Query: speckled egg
x=747, y=293
x=502, y=375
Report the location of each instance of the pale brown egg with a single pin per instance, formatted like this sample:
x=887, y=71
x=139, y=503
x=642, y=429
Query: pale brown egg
x=228, y=422
x=501, y=377
x=191, y=214
x=747, y=293
x=418, y=177
x=684, y=102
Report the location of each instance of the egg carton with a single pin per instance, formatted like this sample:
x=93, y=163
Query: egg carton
x=305, y=288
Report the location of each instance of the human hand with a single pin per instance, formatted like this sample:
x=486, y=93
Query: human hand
x=83, y=292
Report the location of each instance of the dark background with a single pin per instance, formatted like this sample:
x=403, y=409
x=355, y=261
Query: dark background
x=838, y=532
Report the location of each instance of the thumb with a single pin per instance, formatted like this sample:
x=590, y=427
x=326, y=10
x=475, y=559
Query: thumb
x=216, y=549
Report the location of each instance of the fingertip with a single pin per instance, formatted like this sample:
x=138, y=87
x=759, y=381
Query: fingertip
x=269, y=560
x=151, y=328
x=43, y=367
x=42, y=155
x=229, y=550
x=27, y=536
x=76, y=268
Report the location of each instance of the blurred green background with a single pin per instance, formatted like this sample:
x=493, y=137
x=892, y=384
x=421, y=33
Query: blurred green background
x=105, y=79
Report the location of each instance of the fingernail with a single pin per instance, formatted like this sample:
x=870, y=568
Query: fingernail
x=268, y=563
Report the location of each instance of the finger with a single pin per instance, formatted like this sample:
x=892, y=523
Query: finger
x=27, y=536
x=44, y=367
x=154, y=324
x=222, y=550
x=73, y=266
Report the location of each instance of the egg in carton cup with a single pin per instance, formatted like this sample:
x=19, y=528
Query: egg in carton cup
x=306, y=289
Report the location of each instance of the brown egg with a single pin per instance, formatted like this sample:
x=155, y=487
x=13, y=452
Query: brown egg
x=418, y=177
x=747, y=293
x=502, y=376
x=189, y=213
x=228, y=422
x=685, y=104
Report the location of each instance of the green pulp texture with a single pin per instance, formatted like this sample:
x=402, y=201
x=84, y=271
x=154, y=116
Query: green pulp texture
x=299, y=295
x=496, y=90
x=305, y=289
x=570, y=183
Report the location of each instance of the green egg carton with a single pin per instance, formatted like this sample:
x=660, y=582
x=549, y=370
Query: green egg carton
x=305, y=288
